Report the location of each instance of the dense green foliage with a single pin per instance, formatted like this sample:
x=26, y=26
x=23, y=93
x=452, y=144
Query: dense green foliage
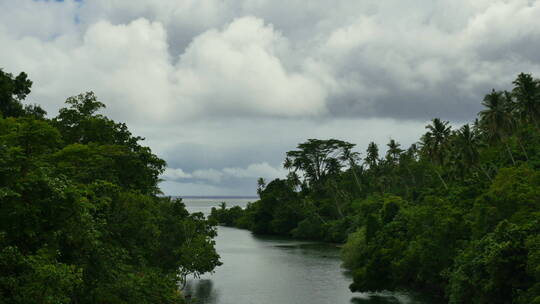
x=456, y=215
x=80, y=216
x=224, y=216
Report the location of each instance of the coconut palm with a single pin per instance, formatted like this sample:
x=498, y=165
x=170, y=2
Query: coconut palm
x=527, y=93
x=393, y=151
x=466, y=145
x=372, y=155
x=435, y=143
x=497, y=120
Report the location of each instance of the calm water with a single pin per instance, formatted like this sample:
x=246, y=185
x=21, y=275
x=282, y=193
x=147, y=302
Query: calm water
x=270, y=270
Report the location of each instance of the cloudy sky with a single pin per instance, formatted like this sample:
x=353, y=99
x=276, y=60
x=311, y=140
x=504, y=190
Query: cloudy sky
x=222, y=89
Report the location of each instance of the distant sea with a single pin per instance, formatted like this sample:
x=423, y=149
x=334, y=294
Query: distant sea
x=217, y=196
x=205, y=204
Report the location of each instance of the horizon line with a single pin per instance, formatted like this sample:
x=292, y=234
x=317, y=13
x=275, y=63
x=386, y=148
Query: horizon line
x=214, y=196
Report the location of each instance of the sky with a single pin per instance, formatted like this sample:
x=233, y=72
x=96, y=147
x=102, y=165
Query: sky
x=221, y=89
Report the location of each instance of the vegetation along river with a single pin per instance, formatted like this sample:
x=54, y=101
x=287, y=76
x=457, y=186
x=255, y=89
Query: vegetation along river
x=270, y=270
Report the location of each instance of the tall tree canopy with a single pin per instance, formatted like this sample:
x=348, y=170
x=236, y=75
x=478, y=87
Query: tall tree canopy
x=318, y=158
x=13, y=90
x=80, y=218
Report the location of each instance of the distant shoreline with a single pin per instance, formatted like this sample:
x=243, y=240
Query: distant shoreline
x=214, y=197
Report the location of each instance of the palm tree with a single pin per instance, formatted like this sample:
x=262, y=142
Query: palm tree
x=392, y=158
x=412, y=151
x=496, y=120
x=513, y=107
x=466, y=144
x=372, y=155
x=293, y=180
x=435, y=142
x=287, y=164
x=527, y=93
x=353, y=158
x=410, y=156
x=393, y=151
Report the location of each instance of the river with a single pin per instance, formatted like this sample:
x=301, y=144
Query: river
x=275, y=270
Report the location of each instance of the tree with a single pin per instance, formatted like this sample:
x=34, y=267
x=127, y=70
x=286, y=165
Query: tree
x=527, y=93
x=80, y=218
x=435, y=143
x=497, y=120
x=318, y=158
x=372, y=155
x=466, y=145
x=393, y=152
x=13, y=90
x=493, y=269
x=260, y=185
x=353, y=158
x=81, y=123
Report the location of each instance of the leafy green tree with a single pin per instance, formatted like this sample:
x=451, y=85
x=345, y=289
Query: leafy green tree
x=261, y=183
x=319, y=158
x=12, y=91
x=80, y=218
x=492, y=269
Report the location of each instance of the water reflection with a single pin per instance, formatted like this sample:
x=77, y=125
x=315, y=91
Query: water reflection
x=202, y=291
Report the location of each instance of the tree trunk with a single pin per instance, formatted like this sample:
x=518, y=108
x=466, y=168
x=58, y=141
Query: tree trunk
x=523, y=149
x=442, y=180
x=356, y=178
x=338, y=207
x=510, y=153
x=485, y=172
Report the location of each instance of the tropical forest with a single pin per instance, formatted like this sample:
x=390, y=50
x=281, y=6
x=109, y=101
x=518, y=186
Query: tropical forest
x=81, y=218
x=455, y=215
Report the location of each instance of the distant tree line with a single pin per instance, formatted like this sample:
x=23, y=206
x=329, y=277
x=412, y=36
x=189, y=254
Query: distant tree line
x=455, y=215
x=80, y=216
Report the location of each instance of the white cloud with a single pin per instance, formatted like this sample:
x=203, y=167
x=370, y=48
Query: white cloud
x=232, y=85
x=233, y=72
x=210, y=175
x=253, y=171
x=174, y=174
x=126, y=65
x=245, y=58
x=187, y=188
x=239, y=71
